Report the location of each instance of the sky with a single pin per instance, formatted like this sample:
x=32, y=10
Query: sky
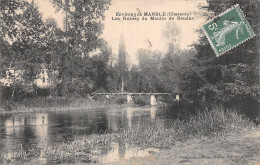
x=137, y=33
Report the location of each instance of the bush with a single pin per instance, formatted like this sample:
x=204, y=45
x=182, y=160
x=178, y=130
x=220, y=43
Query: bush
x=235, y=87
x=141, y=100
x=179, y=109
x=120, y=99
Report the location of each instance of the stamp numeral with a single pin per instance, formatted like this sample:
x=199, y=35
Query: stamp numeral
x=213, y=26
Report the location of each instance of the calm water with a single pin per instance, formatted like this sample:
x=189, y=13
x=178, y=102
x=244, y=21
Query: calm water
x=45, y=128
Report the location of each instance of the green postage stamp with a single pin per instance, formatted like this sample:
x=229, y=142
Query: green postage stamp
x=228, y=30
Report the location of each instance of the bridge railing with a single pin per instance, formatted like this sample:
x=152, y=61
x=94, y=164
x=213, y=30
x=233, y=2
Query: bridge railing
x=130, y=93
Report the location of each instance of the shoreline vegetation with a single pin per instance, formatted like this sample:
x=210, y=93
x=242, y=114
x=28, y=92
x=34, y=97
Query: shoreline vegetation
x=217, y=122
x=45, y=104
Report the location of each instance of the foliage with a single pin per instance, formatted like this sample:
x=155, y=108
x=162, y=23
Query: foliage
x=112, y=83
x=141, y=100
x=122, y=65
x=22, y=38
x=83, y=23
x=233, y=77
x=83, y=28
x=120, y=99
x=171, y=34
x=78, y=56
x=149, y=79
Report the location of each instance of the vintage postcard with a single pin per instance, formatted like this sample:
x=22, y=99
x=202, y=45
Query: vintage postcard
x=129, y=82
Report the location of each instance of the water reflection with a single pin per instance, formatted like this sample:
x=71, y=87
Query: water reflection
x=36, y=119
x=25, y=129
x=124, y=152
x=153, y=112
x=44, y=128
x=129, y=115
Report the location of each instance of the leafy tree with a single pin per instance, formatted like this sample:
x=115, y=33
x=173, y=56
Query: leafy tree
x=233, y=76
x=133, y=79
x=180, y=73
x=83, y=28
x=171, y=63
x=170, y=34
x=150, y=75
x=121, y=65
x=22, y=34
x=100, y=63
x=55, y=45
x=83, y=23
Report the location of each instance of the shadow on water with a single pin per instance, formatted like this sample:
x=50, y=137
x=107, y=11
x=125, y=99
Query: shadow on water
x=41, y=129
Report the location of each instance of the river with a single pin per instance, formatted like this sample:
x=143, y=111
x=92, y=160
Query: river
x=39, y=129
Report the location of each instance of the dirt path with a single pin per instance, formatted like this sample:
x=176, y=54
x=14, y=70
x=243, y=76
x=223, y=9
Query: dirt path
x=235, y=149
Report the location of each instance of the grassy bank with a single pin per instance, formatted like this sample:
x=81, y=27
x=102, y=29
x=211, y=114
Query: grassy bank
x=84, y=149
x=217, y=122
x=42, y=104
x=205, y=123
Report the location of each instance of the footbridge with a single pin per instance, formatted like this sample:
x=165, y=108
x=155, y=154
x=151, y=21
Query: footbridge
x=129, y=96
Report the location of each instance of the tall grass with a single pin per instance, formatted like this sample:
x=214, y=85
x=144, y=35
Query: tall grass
x=203, y=123
x=39, y=104
x=85, y=149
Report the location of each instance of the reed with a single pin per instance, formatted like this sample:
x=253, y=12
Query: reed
x=216, y=122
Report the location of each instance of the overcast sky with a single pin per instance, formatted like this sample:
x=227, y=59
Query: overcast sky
x=136, y=33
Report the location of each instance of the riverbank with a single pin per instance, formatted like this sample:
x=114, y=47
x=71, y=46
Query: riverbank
x=148, y=135
x=68, y=108
x=238, y=148
x=45, y=104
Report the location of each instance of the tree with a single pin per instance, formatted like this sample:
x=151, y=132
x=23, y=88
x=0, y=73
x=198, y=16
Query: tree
x=22, y=34
x=122, y=66
x=134, y=79
x=171, y=64
x=171, y=33
x=54, y=41
x=149, y=66
x=83, y=28
x=233, y=76
x=100, y=63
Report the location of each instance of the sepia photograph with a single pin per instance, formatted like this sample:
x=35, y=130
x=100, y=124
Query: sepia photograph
x=130, y=82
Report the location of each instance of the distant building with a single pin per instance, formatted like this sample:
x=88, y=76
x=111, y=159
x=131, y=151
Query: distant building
x=12, y=75
x=43, y=80
x=46, y=78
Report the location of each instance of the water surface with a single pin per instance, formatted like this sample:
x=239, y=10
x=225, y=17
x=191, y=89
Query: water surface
x=39, y=129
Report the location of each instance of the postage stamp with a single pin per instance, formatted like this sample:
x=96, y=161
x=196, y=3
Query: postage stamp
x=228, y=30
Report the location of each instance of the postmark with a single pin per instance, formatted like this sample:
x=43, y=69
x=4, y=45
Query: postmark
x=228, y=30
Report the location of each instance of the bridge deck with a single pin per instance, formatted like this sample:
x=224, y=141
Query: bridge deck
x=124, y=93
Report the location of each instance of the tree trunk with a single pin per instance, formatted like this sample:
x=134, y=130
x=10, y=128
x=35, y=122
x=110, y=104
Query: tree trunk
x=13, y=93
x=122, y=87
